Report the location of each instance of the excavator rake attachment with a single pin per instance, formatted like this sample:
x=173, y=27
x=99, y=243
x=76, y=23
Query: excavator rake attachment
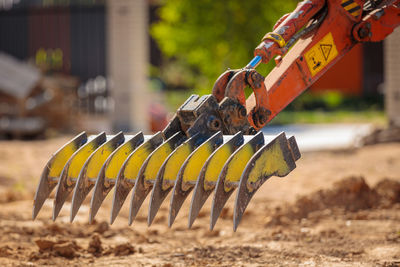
x=211, y=144
x=201, y=163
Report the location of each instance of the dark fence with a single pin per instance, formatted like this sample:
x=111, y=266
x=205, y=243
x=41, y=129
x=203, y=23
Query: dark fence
x=70, y=39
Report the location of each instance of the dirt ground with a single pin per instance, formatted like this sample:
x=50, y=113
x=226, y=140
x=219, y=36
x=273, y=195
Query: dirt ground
x=337, y=208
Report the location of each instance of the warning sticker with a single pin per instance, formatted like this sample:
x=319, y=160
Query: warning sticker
x=352, y=7
x=321, y=54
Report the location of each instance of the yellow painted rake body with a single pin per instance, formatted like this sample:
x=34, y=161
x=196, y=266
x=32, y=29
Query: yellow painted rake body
x=144, y=164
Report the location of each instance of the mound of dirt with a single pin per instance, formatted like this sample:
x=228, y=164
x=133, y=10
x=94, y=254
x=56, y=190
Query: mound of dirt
x=351, y=194
x=388, y=192
x=95, y=246
x=58, y=241
x=124, y=249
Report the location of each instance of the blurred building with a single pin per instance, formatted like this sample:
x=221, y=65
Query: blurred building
x=103, y=43
x=392, y=78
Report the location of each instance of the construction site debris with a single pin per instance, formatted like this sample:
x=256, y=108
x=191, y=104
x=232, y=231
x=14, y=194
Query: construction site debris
x=31, y=102
x=382, y=135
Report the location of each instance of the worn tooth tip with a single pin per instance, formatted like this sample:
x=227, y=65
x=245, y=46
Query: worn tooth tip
x=56, y=211
x=130, y=221
x=149, y=220
x=192, y=218
x=235, y=223
x=190, y=222
x=212, y=224
x=236, y=220
x=112, y=219
x=34, y=213
x=72, y=216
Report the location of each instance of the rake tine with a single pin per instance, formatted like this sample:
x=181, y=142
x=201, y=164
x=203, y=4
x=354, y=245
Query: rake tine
x=275, y=158
x=108, y=173
x=72, y=169
x=168, y=172
x=209, y=175
x=230, y=175
x=189, y=173
x=53, y=169
x=149, y=170
x=91, y=169
x=127, y=175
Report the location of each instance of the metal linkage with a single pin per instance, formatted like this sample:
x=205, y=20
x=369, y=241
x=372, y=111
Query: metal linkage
x=143, y=164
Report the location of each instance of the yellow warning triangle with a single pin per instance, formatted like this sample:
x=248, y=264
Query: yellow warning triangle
x=326, y=50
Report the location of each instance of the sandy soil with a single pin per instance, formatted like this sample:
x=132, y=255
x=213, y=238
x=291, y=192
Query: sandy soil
x=337, y=208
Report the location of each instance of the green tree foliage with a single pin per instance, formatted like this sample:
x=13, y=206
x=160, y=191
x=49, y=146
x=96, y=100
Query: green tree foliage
x=202, y=38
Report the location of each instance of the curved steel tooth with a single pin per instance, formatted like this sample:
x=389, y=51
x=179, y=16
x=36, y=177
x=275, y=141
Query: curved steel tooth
x=72, y=169
x=108, y=173
x=189, y=173
x=127, y=175
x=149, y=170
x=168, y=172
x=276, y=158
x=209, y=174
x=91, y=169
x=51, y=173
x=230, y=175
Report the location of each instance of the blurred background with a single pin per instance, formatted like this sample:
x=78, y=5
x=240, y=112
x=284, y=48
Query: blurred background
x=126, y=65
x=102, y=65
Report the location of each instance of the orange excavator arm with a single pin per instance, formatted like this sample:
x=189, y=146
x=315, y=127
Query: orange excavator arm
x=305, y=44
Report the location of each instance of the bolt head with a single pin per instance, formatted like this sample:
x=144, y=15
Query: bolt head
x=242, y=112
